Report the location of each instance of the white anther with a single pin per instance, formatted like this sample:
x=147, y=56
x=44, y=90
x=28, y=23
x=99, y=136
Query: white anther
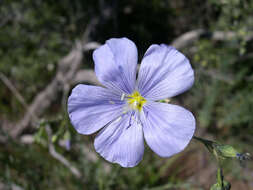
x=122, y=97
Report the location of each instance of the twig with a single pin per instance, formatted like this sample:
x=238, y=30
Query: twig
x=13, y=89
x=59, y=157
x=188, y=38
x=16, y=93
x=91, y=46
x=86, y=76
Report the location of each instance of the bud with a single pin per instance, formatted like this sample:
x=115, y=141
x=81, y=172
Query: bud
x=217, y=186
x=54, y=138
x=225, y=151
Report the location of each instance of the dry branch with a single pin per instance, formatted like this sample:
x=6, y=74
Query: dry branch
x=67, y=69
x=188, y=38
x=13, y=89
x=59, y=157
x=85, y=76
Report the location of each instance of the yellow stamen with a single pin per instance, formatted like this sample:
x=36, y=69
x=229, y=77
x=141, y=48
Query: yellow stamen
x=136, y=101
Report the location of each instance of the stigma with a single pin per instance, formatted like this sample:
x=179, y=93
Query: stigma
x=135, y=101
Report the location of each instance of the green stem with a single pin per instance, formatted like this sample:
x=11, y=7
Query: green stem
x=210, y=146
x=220, y=177
x=207, y=143
x=201, y=139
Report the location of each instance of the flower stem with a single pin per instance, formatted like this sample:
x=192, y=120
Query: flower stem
x=213, y=148
x=220, y=177
x=207, y=143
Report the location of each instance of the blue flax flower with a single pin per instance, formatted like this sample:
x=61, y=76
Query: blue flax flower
x=126, y=111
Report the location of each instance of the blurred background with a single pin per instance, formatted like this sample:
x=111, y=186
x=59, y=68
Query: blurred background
x=46, y=49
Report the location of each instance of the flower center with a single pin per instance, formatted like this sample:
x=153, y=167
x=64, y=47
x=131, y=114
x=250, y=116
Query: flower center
x=136, y=101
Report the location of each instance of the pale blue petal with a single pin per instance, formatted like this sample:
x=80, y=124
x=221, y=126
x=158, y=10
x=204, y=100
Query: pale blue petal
x=91, y=108
x=167, y=128
x=121, y=142
x=116, y=63
x=164, y=73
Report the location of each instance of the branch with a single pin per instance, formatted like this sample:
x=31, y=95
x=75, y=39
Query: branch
x=59, y=157
x=188, y=38
x=19, y=97
x=89, y=155
x=86, y=76
x=13, y=89
x=45, y=97
x=67, y=69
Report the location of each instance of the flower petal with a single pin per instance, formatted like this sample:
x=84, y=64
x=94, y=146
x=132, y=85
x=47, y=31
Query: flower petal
x=167, y=128
x=116, y=64
x=121, y=142
x=91, y=108
x=164, y=73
